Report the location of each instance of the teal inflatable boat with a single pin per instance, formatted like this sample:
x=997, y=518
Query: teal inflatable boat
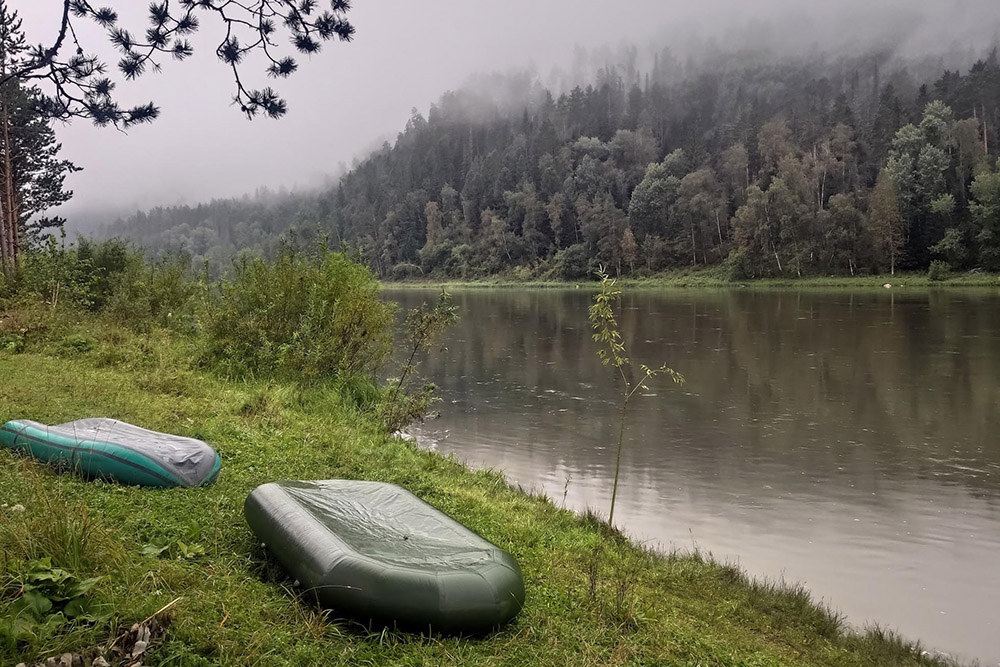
x=113, y=450
x=375, y=551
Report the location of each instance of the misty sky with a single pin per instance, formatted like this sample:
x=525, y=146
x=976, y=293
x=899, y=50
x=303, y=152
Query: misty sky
x=344, y=100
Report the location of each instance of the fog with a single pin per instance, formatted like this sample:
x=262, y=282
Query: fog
x=351, y=97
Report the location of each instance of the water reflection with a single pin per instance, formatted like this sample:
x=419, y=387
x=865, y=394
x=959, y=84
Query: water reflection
x=850, y=441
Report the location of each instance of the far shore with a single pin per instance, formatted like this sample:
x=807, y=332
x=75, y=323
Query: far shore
x=714, y=279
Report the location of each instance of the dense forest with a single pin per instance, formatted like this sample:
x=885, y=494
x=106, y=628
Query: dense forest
x=764, y=165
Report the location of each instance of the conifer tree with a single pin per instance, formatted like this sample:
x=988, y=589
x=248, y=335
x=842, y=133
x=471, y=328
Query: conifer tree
x=31, y=173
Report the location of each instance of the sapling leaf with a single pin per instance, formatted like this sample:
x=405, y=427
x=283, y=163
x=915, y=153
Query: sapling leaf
x=612, y=351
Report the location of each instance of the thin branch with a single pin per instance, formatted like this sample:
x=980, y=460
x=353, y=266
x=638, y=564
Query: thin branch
x=79, y=87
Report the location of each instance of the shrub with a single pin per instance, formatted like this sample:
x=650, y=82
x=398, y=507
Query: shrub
x=522, y=274
x=989, y=258
x=97, y=277
x=571, y=263
x=107, y=260
x=306, y=317
x=406, y=271
x=28, y=322
x=161, y=292
x=737, y=266
x=423, y=327
x=938, y=271
x=436, y=257
x=951, y=248
x=56, y=275
x=76, y=345
x=461, y=261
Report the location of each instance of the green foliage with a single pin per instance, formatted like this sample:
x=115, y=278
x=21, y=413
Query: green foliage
x=77, y=344
x=943, y=206
x=467, y=195
x=887, y=222
x=23, y=324
x=48, y=591
x=52, y=556
x=30, y=168
x=309, y=317
x=50, y=526
x=612, y=352
x=572, y=263
x=650, y=179
x=360, y=391
x=188, y=546
x=952, y=248
x=160, y=292
x=423, y=327
x=406, y=271
x=107, y=260
x=986, y=212
x=110, y=277
x=738, y=267
x=56, y=275
x=938, y=271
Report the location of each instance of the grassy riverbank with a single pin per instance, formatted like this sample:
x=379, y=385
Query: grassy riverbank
x=717, y=278
x=236, y=607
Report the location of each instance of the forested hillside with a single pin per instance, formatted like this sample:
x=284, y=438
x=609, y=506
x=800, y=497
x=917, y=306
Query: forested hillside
x=768, y=166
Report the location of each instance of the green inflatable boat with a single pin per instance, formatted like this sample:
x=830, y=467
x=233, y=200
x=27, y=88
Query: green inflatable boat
x=376, y=552
x=113, y=450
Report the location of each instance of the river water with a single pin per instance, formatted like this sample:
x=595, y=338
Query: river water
x=848, y=441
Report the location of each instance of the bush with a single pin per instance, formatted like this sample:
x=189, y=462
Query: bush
x=990, y=259
x=406, y=271
x=306, y=317
x=423, y=326
x=436, y=257
x=571, y=263
x=76, y=344
x=56, y=275
x=938, y=271
x=522, y=274
x=461, y=261
x=737, y=266
x=107, y=261
x=109, y=275
x=951, y=247
x=161, y=292
x=27, y=322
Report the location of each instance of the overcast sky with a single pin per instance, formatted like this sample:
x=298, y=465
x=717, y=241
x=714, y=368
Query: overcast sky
x=405, y=54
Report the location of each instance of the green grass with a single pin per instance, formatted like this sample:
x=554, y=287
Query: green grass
x=237, y=607
x=714, y=277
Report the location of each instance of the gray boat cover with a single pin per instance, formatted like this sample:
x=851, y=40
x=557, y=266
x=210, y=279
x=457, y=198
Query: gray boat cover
x=112, y=449
x=376, y=551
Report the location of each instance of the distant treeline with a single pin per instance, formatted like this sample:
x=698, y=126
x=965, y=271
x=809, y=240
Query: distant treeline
x=767, y=166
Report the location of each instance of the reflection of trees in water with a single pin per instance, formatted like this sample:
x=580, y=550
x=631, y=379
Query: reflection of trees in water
x=911, y=377
x=865, y=387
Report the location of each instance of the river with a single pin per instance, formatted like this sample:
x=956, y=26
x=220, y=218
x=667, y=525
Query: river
x=846, y=440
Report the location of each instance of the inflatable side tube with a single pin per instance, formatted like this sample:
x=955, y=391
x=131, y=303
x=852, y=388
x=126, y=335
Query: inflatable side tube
x=107, y=449
x=375, y=551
